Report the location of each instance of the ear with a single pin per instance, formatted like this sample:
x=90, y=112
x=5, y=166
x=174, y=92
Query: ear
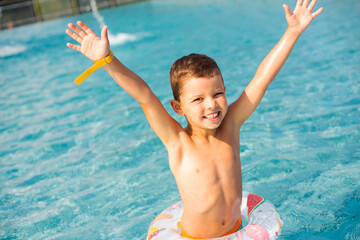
x=177, y=107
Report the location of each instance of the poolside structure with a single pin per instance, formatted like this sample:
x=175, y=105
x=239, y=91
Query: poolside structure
x=19, y=12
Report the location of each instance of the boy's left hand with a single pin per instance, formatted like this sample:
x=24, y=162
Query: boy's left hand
x=300, y=19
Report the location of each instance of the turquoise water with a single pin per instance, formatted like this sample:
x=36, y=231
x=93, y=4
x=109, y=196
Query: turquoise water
x=81, y=162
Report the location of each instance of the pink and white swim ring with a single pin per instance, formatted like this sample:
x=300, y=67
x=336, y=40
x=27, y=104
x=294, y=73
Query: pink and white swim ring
x=264, y=221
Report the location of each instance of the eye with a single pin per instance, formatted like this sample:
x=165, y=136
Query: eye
x=197, y=99
x=218, y=94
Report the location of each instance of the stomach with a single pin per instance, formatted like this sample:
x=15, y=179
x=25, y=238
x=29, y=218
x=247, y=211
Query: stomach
x=211, y=211
x=217, y=221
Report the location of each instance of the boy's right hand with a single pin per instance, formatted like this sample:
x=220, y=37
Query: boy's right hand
x=92, y=46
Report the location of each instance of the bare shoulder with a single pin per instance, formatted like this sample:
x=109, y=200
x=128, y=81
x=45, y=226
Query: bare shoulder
x=175, y=149
x=228, y=126
x=229, y=131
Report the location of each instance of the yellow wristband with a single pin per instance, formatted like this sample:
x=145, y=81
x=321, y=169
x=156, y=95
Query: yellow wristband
x=97, y=64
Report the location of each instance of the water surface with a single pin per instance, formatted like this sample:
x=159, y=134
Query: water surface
x=81, y=162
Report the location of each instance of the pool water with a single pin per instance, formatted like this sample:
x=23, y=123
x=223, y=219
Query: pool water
x=81, y=162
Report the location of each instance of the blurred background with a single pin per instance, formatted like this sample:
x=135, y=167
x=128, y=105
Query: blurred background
x=18, y=12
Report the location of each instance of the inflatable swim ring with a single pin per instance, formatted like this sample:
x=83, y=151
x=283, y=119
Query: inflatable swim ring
x=264, y=221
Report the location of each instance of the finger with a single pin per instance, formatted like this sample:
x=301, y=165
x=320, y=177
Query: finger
x=312, y=4
x=287, y=10
x=305, y=3
x=318, y=12
x=104, y=33
x=75, y=47
x=74, y=36
x=86, y=28
x=298, y=3
x=77, y=30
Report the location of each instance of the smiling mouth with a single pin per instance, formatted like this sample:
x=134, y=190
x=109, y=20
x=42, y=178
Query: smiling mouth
x=213, y=116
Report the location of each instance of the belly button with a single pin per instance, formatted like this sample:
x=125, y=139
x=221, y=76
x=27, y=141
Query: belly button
x=223, y=222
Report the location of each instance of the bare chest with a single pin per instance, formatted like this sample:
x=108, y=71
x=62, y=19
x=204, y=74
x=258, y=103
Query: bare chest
x=210, y=169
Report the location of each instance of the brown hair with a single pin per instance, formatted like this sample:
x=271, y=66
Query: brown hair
x=192, y=65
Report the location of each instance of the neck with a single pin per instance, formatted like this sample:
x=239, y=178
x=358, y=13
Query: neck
x=201, y=133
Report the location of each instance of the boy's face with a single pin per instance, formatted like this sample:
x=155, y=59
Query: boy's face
x=203, y=101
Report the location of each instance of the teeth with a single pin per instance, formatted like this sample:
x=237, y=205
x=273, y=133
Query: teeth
x=212, y=115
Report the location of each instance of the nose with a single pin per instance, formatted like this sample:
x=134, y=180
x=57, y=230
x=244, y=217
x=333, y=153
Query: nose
x=210, y=103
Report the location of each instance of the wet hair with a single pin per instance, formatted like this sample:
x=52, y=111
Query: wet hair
x=191, y=66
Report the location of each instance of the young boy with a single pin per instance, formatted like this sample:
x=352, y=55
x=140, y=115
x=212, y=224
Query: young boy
x=205, y=156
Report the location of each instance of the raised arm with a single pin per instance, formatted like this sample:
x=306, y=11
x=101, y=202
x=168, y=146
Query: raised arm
x=297, y=21
x=96, y=48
